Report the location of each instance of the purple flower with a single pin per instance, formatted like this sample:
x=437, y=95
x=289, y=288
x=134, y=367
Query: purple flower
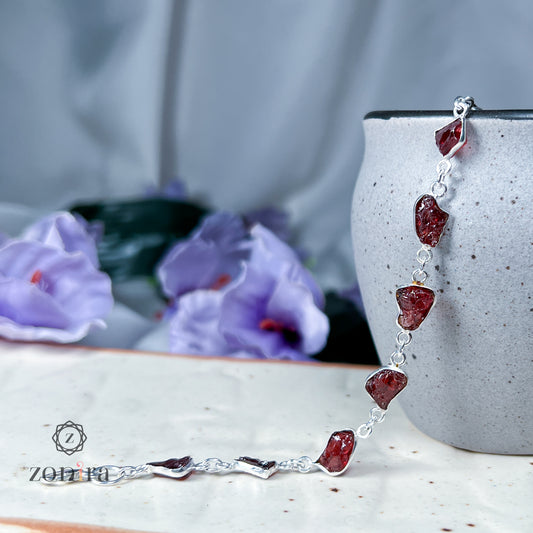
x=194, y=327
x=62, y=230
x=47, y=293
x=273, y=255
x=273, y=314
x=277, y=221
x=94, y=228
x=272, y=308
x=210, y=259
x=272, y=218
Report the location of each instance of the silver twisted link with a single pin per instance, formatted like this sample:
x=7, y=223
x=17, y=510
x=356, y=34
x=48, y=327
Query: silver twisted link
x=214, y=465
x=115, y=474
x=303, y=465
x=110, y=474
x=377, y=415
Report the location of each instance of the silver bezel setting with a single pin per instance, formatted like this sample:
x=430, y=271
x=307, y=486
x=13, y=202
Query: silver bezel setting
x=400, y=311
x=462, y=138
x=174, y=473
x=334, y=474
x=242, y=464
x=414, y=219
x=388, y=367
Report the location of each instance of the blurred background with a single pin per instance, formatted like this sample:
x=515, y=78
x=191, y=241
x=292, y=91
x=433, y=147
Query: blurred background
x=251, y=103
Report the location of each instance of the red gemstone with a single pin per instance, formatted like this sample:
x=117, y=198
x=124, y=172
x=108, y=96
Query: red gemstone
x=414, y=302
x=430, y=220
x=447, y=137
x=384, y=385
x=182, y=468
x=252, y=461
x=338, y=451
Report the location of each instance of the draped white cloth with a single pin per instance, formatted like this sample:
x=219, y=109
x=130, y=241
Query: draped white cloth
x=252, y=103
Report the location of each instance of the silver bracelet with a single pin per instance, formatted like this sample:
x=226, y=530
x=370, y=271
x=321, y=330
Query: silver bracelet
x=414, y=301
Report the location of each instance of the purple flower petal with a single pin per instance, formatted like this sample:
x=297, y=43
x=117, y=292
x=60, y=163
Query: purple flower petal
x=272, y=218
x=62, y=230
x=95, y=228
x=226, y=230
x=292, y=304
x=243, y=309
x=188, y=266
x=269, y=305
x=209, y=259
x=272, y=254
x=194, y=327
x=272, y=317
x=48, y=294
x=26, y=304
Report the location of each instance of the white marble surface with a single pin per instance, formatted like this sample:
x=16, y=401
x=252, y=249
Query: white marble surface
x=138, y=407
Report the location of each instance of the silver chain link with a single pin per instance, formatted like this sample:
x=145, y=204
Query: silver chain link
x=424, y=255
x=398, y=358
x=377, y=415
x=214, y=466
x=403, y=338
x=303, y=465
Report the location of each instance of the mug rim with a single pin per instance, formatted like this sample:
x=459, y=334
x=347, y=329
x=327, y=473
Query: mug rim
x=503, y=114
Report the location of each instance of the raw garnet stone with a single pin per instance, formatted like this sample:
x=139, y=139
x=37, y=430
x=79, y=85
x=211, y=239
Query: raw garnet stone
x=430, y=220
x=252, y=461
x=447, y=137
x=336, y=455
x=174, y=464
x=415, y=303
x=384, y=385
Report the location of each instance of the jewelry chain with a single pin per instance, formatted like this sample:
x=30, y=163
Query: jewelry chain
x=111, y=474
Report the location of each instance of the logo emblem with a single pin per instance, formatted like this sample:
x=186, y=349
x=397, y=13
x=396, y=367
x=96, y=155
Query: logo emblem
x=69, y=437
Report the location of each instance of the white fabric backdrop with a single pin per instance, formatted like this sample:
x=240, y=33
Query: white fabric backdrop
x=250, y=102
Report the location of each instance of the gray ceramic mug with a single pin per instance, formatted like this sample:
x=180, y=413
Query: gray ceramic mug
x=470, y=364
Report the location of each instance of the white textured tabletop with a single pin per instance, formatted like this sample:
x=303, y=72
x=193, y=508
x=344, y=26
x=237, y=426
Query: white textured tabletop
x=139, y=407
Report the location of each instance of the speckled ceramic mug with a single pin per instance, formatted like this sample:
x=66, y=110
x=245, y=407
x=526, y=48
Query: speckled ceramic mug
x=470, y=364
